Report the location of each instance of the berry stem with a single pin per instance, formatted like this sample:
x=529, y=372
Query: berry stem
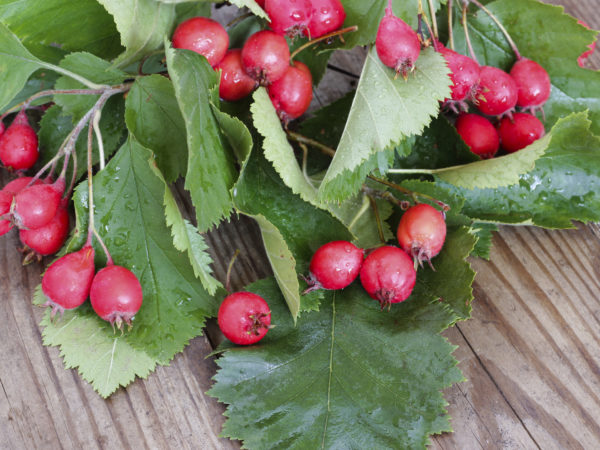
x=433, y=19
x=82, y=80
x=377, y=218
x=304, y=140
x=423, y=17
x=305, y=163
x=229, y=270
x=323, y=38
x=96, y=124
x=409, y=193
x=450, y=30
x=499, y=24
x=466, y=29
x=238, y=19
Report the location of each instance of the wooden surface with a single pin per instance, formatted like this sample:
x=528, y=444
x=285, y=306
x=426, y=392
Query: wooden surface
x=531, y=352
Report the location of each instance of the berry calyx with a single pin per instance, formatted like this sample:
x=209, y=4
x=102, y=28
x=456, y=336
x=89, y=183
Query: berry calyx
x=36, y=205
x=464, y=74
x=422, y=232
x=519, y=131
x=265, y=57
x=204, y=36
x=116, y=295
x=67, y=281
x=292, y=93
x=533, y=83
x=479, y=134
x=244, y=318
x=334, y=265
x=327, y=16
x=288, y=17
x=19, y=144
x=388, y=275
x=49, y=239
x=235, y=82
x=497, y=93
x=397, y=43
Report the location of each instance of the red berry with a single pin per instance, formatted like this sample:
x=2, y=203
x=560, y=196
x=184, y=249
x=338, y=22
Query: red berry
x=261, y=3
x=1, y=128
x=265, y=56
x=585, y=55
x=397, y=43
x=533, y=83
x=288, y=17
x=327, y=16
x=334, y=265
x=479, y=134
x=67, y=281
x=235, y=83
x=204, y=36
x=388, y=275
x=36, y=205
x=244, y=318
x=19, y=144
x=292, y=93
x=497, y=93
x=464, y=73
x=519, y=131
x=116, y=295
x=48, y=240
x=422, y=232
x=18, y=184
x=6, y=199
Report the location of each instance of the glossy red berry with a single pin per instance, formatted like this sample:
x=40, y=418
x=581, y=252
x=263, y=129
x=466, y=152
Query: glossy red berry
x=1, y=128
x=464, y=74
x=533, y=83
x=585, y=55
x=18, y=184
x=49, y=239
x=116, y=295
x=6, y=199
x=265, y=57
x=67, y=281
x=334, y=265
x=235, y=82
x=397, y=43
x=19, y=144
x=519, y=131
x=497, y=93
x=261, y=3
x=292, y=93
x=479, y=134
x=244, y=318
x=288, y=17
x=422, y=232
x=36, y=205
x=204, y=36
x=327, y=16
x=388, y=275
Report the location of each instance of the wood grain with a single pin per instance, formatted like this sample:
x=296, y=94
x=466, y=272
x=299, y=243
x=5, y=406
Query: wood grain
x=531, y=353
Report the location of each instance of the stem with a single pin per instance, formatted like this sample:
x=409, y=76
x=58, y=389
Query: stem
x=70, y=74
x=377, y=219
x=96, y=124
x=73, y=176
x=450, y=31
x=238, y=19
x=409, y=193
x=304, y=140
x=433, y=19
x=499, y=24
x=229, y=270
x=467, y=37
x=304, y=163
x=323, y=38
x=423, y=16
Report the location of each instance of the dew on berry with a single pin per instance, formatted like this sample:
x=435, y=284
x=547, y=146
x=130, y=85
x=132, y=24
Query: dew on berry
x=244, y=318
x=204, y=36
x=533, y=83
x=327, y=16
x=235, y=82
x=519, y=131
x=19, y=144
x=289, y=17
x=497, y=93
x=334, y=265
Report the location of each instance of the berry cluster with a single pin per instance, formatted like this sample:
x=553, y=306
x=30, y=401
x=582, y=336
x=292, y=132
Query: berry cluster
x=265, y=57
x=388, y=273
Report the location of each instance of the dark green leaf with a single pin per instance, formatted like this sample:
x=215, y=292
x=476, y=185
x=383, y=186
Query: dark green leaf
x=484, y=233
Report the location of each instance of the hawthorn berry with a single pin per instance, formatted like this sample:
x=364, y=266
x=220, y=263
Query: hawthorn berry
x=289, y=17
x=388, y=275
x=15, y=186
x=235, y=82
x=6, y=199
x=244, y=318
x=397, y=43
x=519, y=131
x=36, y=205
x=327, y=16
x=497, y=93
x=479, y=134
x=292, y=93
x=533, y=83
x=464, y=74
x=334, y=265
x=1, y=127
x=265, y=57
x=116, y=295
x=49, y=239
x=67, y=281
x=422, y=232
x=204, y=36
x=19, y=144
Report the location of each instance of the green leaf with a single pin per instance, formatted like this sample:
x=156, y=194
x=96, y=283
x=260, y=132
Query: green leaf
x=348, y=376
x=130, y=217
x=252, y=6
x=152, y=115
x=384, y=112
x=564, y=185
x=72, y=26
x=211, y=171
x=142, y=25
x=496, y=172
x=292, y=229
x=40, y=80
x=555, y=47
x=484, y=233
x=103, y=358
x=187, y=10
